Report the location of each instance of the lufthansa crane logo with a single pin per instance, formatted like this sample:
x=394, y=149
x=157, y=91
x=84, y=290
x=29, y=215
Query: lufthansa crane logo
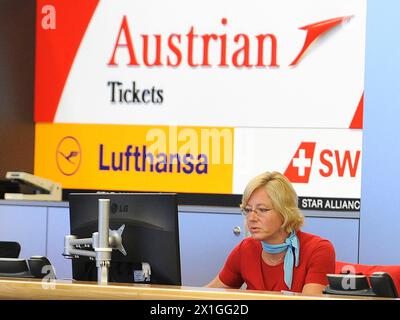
x=68, y=156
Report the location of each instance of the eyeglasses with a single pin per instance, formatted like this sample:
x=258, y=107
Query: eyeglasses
x=260, y=212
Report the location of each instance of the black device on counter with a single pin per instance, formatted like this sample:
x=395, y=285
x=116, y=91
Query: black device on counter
x=34, y=267
x=380, y=284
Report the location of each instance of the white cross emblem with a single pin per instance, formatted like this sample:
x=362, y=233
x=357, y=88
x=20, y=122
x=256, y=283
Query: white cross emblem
x=301, y=163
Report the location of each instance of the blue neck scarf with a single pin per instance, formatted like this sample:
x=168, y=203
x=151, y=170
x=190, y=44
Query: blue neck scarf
x=292, y=241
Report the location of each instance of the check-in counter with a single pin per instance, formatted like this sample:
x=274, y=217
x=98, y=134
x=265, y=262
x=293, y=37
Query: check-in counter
x=204, y=231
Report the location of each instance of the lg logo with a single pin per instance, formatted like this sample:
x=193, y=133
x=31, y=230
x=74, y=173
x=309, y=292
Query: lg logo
x=338, y=163
x=119, y=208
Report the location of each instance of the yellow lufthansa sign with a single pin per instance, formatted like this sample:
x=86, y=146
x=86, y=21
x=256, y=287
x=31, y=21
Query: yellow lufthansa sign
x=135, y=158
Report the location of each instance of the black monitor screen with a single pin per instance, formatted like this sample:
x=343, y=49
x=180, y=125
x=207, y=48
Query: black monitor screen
x=151, y=235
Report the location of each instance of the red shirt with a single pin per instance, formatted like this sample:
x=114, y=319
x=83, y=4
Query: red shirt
x=244, y=264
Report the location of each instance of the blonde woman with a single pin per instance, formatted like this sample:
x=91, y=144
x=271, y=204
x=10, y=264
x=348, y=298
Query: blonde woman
x=278, y=255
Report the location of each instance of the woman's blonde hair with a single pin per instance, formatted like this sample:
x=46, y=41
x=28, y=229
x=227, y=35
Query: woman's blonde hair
x=282, y=195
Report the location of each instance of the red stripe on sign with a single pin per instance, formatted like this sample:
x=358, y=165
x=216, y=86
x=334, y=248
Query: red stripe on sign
x=357, y=122
x=60, y=27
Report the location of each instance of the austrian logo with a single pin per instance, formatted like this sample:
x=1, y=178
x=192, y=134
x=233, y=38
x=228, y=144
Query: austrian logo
x=175, y=53
x=68, y=155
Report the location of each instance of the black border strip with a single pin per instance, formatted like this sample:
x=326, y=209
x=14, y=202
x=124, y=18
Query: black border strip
x=234, y=200
x=201, y=199
x=330, y=204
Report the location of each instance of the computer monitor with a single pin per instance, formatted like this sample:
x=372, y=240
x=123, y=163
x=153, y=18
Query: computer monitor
x=151, y=235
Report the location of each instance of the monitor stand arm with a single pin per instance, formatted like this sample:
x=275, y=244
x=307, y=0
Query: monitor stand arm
x=102, y=242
